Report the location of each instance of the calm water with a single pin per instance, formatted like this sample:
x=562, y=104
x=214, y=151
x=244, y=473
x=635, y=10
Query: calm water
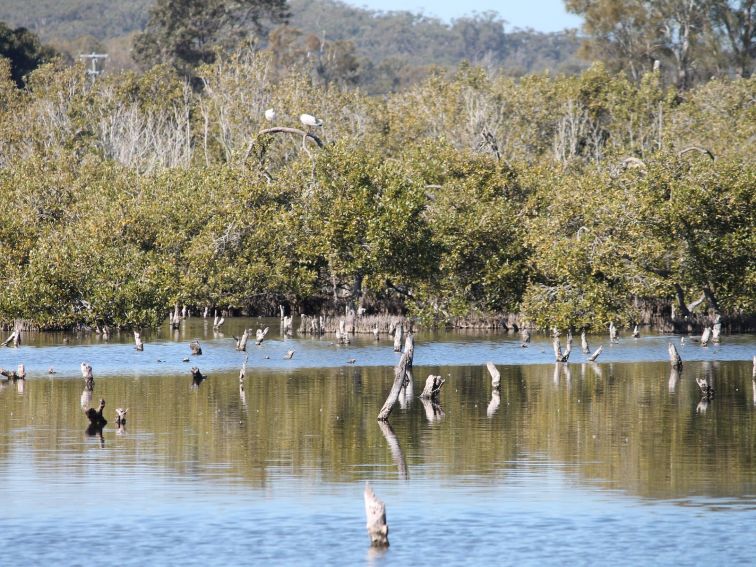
x=612, y=463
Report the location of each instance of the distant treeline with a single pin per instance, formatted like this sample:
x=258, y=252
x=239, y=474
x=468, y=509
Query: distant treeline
x=381, y=52
x=572, y=200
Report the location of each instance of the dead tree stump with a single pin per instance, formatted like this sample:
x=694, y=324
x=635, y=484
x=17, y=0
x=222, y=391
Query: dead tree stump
x=86, y=372
x=399, y=375
x=674, y=357
x=375, y=510
x=139, y=345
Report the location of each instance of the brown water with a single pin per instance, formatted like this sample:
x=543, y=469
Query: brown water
x=618, y=462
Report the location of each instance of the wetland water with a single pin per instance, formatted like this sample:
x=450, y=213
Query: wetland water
x=618, y=462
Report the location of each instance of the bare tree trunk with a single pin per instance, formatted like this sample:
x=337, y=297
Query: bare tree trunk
x=674, y=357
x=399, y=376
x=495, y=375
x=375, y=510
x=432, y=388
x=398, y=332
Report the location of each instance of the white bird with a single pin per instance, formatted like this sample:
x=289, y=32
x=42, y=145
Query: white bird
x=289, y=354
x=270, y=115
x=310, y=120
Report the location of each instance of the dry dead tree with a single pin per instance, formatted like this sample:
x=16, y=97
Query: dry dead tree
x=696, y=149
x=287, y=323
x=674, y=357
x=706, y=336
x=398, y=332
x=399, y=376
x=86, y=373
x=174, y=318
x=584, y=343
x=558, y=356
x=495, y=376
x=716, y=330
x=14, y=375
x=241, y=342
x=342, y=337
x=432, y=388
x=596, y=354
x=375, y=511
x=260, y=335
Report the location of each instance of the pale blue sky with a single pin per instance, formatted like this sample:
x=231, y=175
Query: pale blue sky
x=541, y=15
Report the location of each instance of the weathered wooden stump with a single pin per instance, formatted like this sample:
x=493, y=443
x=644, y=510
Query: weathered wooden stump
x=241, y=342
x=706, y=336
x=558, y=355
x=584, y=343
x=674, y=357
x=432, y=388
x=398, y=332
x=86, y=372
x=495, y=375
x=375, y=510
x=96, y=419
x=260, y=335
x=596, y=354
x=138, y=344
x=196, y=348
x=399, y=376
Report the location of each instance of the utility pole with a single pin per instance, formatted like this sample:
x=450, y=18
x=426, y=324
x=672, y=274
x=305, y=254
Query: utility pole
x=93, y=57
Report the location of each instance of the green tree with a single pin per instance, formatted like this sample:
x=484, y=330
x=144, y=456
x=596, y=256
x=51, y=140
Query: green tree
x=187, y=33
x=24, y=50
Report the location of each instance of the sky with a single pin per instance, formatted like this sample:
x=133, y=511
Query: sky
x=541, y=15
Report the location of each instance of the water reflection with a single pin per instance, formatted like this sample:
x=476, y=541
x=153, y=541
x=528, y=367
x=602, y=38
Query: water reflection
x=396, y=450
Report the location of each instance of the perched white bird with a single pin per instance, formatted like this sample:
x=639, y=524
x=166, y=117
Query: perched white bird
x=270, y=115
x=310, y=120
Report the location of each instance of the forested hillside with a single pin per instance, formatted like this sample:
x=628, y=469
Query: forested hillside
x=387, y=51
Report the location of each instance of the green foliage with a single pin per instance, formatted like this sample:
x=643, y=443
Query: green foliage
x=24, y=51
x=188, y=33
x=466, y=194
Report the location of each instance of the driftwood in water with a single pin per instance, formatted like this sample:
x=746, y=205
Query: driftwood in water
x=399, y=376
x=495, y=375
x=14, y=338
x=14, y=375
x=706, y=336
x=375, y=511
x=241, y=342
x=674, y=357
x=432, y=388
x=138, y=344
x=584, y=343
x=398, y=332
x=260, y=335
x=86, y=373
x=196, y=348
x=596, y=354
x=558, y=355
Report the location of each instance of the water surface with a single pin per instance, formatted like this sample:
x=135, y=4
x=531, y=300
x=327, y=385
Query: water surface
x=619, y=462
